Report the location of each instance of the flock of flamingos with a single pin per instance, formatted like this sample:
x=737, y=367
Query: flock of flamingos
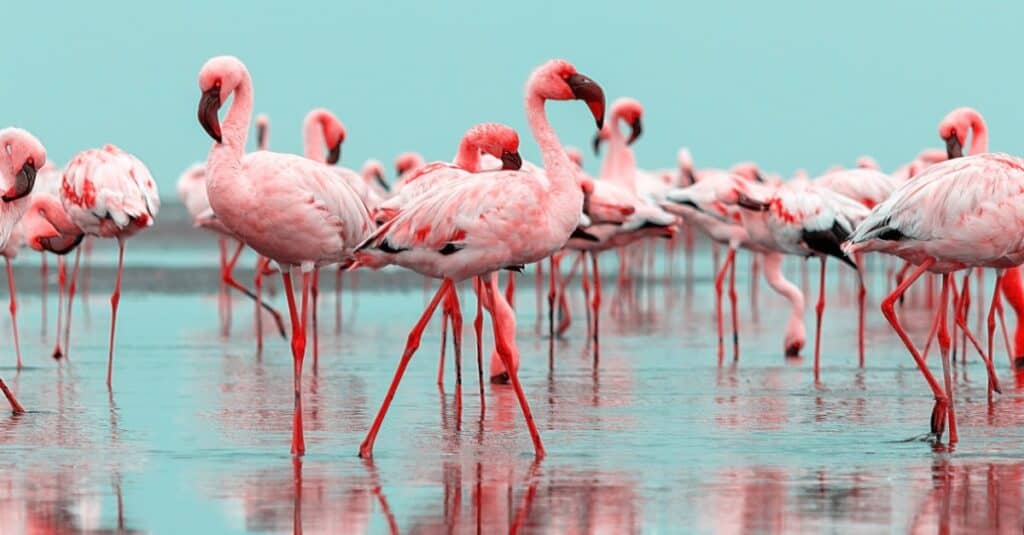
x=488, y=211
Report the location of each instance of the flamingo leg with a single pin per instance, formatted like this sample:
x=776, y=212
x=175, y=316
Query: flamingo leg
x=43, y=275
x=564, y=314
x=993, y=379
x=586, y=295
x=596, y=304
x=115, y=299
x=229, y=280
x=755, y=268
x=298, y=352
x=16, y=407
x=445, y=312
x=538, y=286
x=992, y=313
x=862, y=293
x=13, y=309
x=315, y=291
x=61, y=281
x=478, y=327
x=888, y=310
x=944, y=348
x=510, y=290
x=551, y=302
x=819, y=310
x=413, y=343
x=456, y=317
x=501, y=312
x=719, y=281
x=72, y=286
x=257, y=283
x=222, y=294
x=735, y=312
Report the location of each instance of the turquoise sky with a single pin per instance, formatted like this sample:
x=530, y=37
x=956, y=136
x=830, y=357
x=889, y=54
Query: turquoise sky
x=787, y=84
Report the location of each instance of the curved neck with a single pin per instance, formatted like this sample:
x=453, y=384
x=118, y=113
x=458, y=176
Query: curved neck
x=314, y=140
x=773, y=274
x=468, y=156
x=979, y=136
x=560, y=170
x=224, y=160
x=53, y=212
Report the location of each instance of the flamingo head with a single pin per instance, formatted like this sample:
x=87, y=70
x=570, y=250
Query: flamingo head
x=262, y=131
x=742, y=192
x=558, y=80
x=373, y=170
x=498, y=140
x=218, y=79
x=407, y=161
x=626, y=109
x=332, y=129
x=26, y=155
x=953, y=129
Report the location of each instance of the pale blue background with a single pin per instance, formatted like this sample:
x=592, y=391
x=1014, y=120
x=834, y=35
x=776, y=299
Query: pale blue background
x=788, y=84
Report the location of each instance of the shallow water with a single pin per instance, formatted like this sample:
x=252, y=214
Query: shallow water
x=656, y=437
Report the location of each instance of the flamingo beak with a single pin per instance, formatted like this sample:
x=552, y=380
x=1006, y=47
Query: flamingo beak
x=953, y=147
x=261, y=135
x=758, y=177
x=637, y=128
x=511, y=161
x=209, y=105
x=597, y=143
x=381, y=182
x=334, y=155
x=587, y=90
x=23, y=183
x=750, y=204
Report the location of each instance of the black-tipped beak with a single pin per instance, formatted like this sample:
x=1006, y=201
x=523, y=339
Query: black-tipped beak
x=511, y=161
x=261, y=135
x=750, y=204
x=637, y=128
x=597, y=143
x=398, y=171
x=584, y=235
x=758, y=177
x=23, y=183
x=381, y=182
x=587, y=90
x=209, y=105
x=334, y=155
x=953, y=147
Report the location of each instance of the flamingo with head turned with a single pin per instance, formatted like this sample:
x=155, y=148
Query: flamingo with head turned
x=481, y=223
x=288, y=208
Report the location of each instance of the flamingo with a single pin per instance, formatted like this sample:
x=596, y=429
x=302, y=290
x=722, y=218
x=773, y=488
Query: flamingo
x=109, y=193
x=290, y=209
x=373, y=175
x=21, y=155
x=480, y=223
x=957, y=214
x=797, y=218
x=699, y=205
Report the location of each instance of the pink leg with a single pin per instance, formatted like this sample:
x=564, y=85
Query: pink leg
x=445, y=312
x=222, y=293
x=44, y=274
x=596, y=304
x=735, y=312
x=229, y=281
x=315, y=305
x=961, y=319
x=13, y=308
x=862, y=293
x=61, y=281
x=413, y=343
x=819, y=310
x=551, y=300
x=72, y=286
x=510, y=290
x=478, y=328
x=944, y=348
x=719, y=281
x=115, y=299
x=538, y=285
x=586, y=296
x=298, y=352
x=258, y=285
x=501, y=313
x=456, y=316
x=755, y=268
x=16, y=407
x=888, y=310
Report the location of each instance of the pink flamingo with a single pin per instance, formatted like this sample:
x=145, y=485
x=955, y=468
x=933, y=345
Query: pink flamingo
x=373, y=175
x=290, y=209
x=21, y=154
x=496, y=140
x=481, y=223
x=954, y=215
x=797, y=218
x=108, y=193
x=700, y=206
